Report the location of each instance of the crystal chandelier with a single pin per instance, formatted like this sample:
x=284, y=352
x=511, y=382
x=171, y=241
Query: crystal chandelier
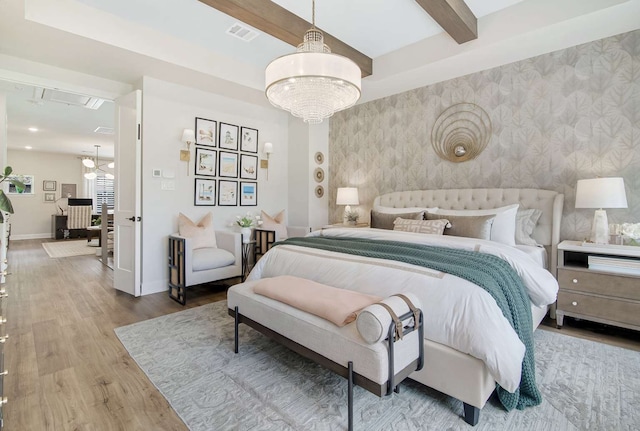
x=313, y=83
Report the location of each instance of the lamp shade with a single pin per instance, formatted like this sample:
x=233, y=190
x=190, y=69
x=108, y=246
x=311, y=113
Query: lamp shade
x=268, y=148
x=188, y=136
x=347, y=196
x=601, y=193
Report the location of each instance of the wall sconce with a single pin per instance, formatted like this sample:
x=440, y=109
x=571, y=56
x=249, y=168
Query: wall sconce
x=188, y=136
x=267, y=150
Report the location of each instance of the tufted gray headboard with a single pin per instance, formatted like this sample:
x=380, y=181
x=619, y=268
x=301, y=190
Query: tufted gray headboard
x=547, y=232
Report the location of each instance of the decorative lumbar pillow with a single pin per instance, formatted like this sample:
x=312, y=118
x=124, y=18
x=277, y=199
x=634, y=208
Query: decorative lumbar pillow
x=380, y=220
x=373, y=322
x=275, y=223
x=467, y=226
x=504, y=226
x=434, y=227
x=526, y=221
x=202, y=234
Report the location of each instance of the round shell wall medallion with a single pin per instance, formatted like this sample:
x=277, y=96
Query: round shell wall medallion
x=319, y=158
x=318, y=174
x=461, y=132
x=319, y=191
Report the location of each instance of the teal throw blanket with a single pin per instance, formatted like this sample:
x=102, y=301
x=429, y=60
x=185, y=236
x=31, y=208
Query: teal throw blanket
x=487, y=271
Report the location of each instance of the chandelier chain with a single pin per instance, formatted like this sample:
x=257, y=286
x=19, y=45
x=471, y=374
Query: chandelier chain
x=313, y=13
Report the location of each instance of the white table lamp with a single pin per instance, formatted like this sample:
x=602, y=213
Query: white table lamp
x=600, y=193
x=347, y=196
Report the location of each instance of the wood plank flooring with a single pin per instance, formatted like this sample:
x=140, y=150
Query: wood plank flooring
x=68, y=370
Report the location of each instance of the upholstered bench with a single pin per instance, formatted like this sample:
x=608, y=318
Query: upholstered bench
x=377, y=367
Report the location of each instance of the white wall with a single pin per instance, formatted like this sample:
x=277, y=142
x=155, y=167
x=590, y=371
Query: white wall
x=32, y=215
x=305, y=209
x=167, y=110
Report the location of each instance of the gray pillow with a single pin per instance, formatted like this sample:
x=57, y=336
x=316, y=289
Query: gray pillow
x=381, y=220
x=468, y=226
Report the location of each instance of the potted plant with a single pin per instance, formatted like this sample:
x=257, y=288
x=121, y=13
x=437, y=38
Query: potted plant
x=245, y=224
x=5, y=203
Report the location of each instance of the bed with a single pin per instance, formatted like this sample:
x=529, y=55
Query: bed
x=458, y=361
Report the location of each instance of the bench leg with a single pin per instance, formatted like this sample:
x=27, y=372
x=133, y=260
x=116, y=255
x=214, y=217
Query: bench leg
x=350, y=395
x=471, y=414
x=235, y=335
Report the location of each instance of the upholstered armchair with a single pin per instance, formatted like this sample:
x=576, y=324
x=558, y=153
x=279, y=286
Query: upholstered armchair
x=190, y=265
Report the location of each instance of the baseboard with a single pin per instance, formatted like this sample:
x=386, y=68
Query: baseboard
x=155, y=287
x=31, y=236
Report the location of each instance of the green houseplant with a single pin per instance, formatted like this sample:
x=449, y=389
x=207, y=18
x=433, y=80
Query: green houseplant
x=5, y=203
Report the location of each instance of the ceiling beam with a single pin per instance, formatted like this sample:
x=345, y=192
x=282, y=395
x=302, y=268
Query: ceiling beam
x=277, y=21
x=454, y=16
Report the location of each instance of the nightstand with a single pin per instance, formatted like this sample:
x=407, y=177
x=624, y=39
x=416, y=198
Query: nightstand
x=248, y=255
x=598, y=283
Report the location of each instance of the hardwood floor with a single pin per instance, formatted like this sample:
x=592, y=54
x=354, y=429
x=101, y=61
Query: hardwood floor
x=68, y=370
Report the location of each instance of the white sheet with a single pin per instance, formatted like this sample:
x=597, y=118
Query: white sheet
x=457, y=313
x=537, y=253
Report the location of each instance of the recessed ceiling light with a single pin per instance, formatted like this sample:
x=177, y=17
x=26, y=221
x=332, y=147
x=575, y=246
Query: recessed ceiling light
x=33, y=129
x=28, y=147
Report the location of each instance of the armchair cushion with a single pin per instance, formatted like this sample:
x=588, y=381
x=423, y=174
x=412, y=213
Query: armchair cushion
x=211, y=258
x=275, y=223
x=201, y=234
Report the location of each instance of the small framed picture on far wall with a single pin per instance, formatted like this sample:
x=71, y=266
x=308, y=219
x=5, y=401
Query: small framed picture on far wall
x=248, y=194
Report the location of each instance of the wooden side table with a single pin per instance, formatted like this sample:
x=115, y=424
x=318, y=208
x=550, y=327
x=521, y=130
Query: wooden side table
x=605, y=293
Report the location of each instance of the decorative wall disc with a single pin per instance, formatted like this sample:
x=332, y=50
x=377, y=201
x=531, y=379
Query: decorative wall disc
x=319, y=191
x=461, y=132
x=319, y=158
x=318, y=174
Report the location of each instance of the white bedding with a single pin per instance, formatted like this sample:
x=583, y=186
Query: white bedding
x=538, y=254
x=457, y=313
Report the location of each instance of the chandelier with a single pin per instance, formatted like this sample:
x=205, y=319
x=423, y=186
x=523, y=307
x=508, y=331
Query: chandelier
x=313, y=83
x=97, y=167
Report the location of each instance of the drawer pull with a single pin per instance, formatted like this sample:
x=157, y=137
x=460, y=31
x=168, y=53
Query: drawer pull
x=574, y=303
x=4, y=373
x=575, y=281
x=3, y=401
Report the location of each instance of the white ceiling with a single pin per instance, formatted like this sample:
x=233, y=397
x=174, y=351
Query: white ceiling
x=110, y=45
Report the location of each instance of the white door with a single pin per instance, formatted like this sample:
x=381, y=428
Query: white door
x=127, y=217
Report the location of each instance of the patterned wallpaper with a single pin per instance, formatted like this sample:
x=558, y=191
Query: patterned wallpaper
x=556, y=118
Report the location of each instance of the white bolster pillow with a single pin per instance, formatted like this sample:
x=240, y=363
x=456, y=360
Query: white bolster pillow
x=373, y=321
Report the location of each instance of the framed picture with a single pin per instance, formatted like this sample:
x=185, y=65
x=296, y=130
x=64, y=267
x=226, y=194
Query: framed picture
x=206, y=132
x=228, y=164
x=248, y=194
x=27, y=180
x=68, y=190
x=49, y=186
x=248, y=140
x=248, y=167
x=204, y=192
x=228, y=138
x=205, y=162
x=49, y=197
x=227, y=193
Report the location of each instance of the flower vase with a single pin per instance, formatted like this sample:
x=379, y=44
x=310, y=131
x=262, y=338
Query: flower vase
x=246, y=234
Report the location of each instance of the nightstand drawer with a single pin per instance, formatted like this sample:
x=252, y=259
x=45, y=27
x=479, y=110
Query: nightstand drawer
x=600, y=283
x=604, y=308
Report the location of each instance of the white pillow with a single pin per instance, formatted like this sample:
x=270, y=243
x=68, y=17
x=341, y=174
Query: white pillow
x=504, y=225
x=202, y=234
x=526, y=221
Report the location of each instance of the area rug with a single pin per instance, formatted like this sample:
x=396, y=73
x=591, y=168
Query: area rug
x=189, y=357
x=66, y=248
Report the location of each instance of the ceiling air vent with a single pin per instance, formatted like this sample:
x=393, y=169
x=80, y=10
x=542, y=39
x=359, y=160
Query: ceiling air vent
x=242, y=32
x=72, y=99
x=104, y=130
